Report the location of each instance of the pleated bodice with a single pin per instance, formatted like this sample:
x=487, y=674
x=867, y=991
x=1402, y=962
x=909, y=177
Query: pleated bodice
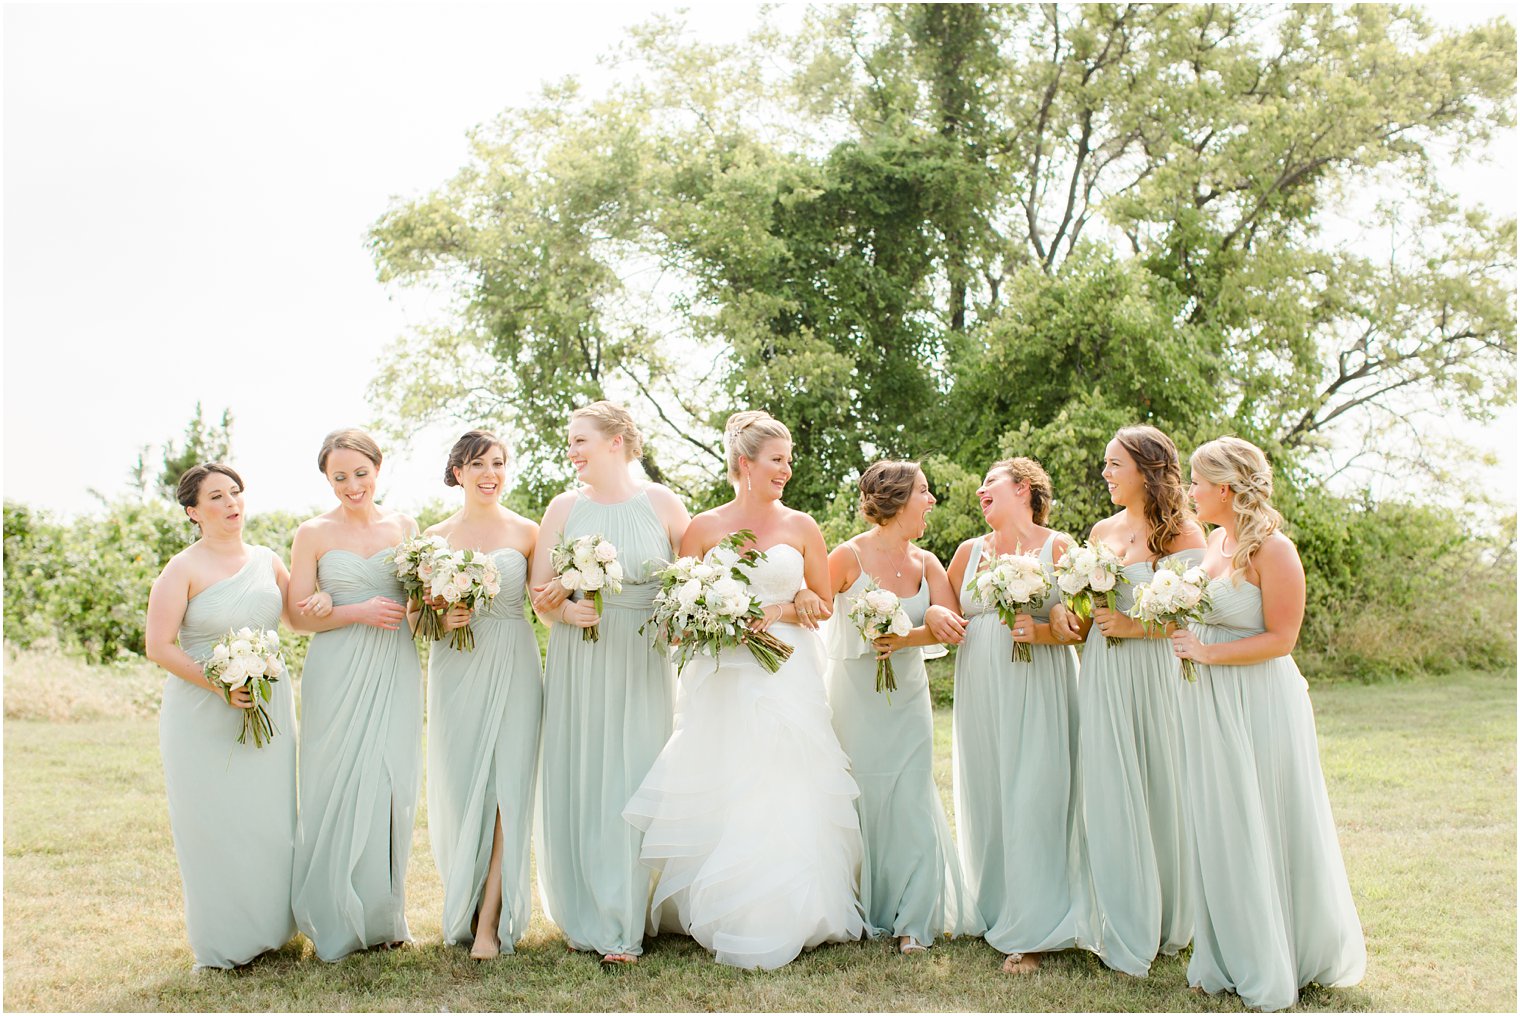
x=248, y=598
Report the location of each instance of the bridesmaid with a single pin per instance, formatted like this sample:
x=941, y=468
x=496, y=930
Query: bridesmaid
x=361, y=730
x=1016, y=737
x=1136, y=836
x=608, y=704
x=232, y=806
x=910, y=885
x=484, y=708
x=1274, y=907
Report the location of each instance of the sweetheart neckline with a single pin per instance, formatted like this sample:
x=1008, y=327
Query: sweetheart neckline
x=355, y=553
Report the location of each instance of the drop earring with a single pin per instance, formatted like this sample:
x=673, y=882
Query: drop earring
x=748, y=485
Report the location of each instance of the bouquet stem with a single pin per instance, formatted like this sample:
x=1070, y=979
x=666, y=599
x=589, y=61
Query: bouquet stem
x=886, y=681
x=1113, y=643
x=463, y=639
x=1189, y=670
x=768, y=650
x=429, y=621
x=593, y=634
x=257, y=722
x=1021, y=653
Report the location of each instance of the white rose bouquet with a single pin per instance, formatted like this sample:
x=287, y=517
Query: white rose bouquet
x=874, y=613
x=1087, y=572
x=1009, y=584
x=1176, y=595
x=704, y=606
x=252, y=658
x=588, y=564
x=468, y=577
x=417, y=559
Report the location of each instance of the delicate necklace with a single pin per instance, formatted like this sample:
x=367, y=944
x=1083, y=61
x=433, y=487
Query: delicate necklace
x=903, y=563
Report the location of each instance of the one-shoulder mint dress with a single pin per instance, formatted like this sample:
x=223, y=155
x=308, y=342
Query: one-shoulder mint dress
x=910, y=879
x=1274, y=909
x=1135, y=830
x=608, y=708
x=1016, y=805
x=484, y=707
x=361, y=767
x=229, y=803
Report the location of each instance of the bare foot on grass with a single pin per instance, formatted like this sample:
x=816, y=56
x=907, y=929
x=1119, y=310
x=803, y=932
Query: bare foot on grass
x=1021, y=963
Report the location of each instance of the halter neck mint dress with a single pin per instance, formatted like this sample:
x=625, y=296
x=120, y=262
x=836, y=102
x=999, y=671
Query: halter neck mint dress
x=361, y=767
x=1136, y=834
x=230, y=800
x=910, y=879
x=1016, y=804
x=484, y=708
x=1274, y=909
x=607, y=713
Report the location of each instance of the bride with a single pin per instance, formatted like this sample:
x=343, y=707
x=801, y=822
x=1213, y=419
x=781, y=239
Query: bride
x=748, y=813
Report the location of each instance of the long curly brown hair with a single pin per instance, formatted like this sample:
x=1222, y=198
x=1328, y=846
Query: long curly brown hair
x=1166, y=510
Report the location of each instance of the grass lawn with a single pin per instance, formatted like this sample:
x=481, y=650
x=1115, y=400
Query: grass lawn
x=1421, y=776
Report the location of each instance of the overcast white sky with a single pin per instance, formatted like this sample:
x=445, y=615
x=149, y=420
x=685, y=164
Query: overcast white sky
x=186, y=194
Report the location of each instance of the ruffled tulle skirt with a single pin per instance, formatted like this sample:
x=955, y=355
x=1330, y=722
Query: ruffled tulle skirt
x=748, y=813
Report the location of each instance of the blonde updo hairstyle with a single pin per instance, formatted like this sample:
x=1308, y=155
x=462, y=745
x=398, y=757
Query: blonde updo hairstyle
x=746, y=433
x=885, y=487
x=1027, y=470
x=1243, y=468
x=614, y=421
x=351, y=439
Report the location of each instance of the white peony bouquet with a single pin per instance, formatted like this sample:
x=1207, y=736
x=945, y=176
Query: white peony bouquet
x=1011, y=584
x=1087, y=572
x=468, y=577
x=417, y=559
x=1176, y=595
x=874, y=613
x=588, y=564
x=252, y=658
x=704, y=606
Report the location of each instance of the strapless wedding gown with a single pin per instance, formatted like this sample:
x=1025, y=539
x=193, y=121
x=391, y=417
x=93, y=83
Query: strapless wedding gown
x=748, y=813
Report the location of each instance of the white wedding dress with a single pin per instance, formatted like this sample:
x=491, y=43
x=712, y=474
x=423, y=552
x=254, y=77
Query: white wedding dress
x=748, y=814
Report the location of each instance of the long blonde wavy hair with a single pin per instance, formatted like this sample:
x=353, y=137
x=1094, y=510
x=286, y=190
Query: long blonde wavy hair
x=1243, y=467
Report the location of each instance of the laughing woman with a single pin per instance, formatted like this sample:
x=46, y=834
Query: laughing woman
x=608, y=703
x=910, y=880
x=1136, y=836
x=1274, y=907
x=483, y=715
x=226, y=800
x=361, y=721
x=1016, y=737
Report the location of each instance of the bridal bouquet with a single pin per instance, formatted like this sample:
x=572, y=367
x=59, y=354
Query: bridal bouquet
x=468, y=577
x=1087, y=572
x=588, y=564
x=1176, y=595
x=417, y=559
x=704, y=606
x=874, y=613
x=252, y=658
x=1010, y=584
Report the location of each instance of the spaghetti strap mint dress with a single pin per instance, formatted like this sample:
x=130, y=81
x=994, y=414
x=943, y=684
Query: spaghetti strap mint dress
x=1274, y=909
x=910, y=879
x=1138, y=844
x=608, y=709
x=361, y=767
x=484, y=708
x=227, y=800
x=1016, y=806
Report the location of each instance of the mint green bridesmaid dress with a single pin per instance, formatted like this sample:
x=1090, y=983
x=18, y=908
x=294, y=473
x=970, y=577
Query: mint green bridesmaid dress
x=608, y=709
x=1016, y=802
x=361, y=767
x=231, y=803
x=1273, y=904
x=484, y=708
x=910, y=879
x=1138, y=843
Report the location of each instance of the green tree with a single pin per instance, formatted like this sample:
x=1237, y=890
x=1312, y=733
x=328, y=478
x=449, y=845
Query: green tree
x=203, y=442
